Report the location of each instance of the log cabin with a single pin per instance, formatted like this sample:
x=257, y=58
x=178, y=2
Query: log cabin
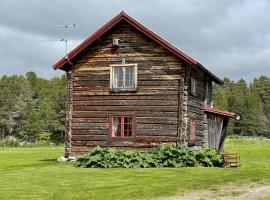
x=130, y=89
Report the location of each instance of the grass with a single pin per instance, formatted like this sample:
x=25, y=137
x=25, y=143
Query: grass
x=34, y=173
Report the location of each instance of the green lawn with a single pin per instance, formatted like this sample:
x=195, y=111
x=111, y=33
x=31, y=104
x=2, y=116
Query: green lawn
x=34, y=173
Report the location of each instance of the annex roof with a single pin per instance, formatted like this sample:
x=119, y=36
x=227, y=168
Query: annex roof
x=219, y=112
x=123, y=16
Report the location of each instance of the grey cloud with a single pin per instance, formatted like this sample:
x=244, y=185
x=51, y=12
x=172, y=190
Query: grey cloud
x=231, y=38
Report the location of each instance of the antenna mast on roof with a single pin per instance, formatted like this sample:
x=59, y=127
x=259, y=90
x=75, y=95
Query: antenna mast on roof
x=65, y=38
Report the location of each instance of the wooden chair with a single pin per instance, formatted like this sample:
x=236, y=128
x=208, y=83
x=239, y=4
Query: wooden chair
x=231, y=160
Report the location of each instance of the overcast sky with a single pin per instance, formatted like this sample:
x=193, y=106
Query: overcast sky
x=229, y=37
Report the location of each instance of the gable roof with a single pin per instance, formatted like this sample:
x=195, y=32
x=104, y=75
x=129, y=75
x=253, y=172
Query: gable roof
x=123, y=16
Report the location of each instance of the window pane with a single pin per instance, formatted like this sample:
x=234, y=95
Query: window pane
x=127, y=126
x=116, y=127
x=129, y=77
x=118, y=77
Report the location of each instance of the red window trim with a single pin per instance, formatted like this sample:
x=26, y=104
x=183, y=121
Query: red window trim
x=122, y=126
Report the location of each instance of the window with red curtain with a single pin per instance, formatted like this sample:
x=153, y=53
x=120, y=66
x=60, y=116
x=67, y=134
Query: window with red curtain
x=122, y=126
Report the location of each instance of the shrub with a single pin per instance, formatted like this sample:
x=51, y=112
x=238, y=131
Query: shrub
x=209, y=158
x=44, y=136
x=164, y=156
x=9, y=142
x=18, y=143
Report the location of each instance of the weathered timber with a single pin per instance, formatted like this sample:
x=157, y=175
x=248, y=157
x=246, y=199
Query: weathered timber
x=161, y=104
x=125, y=108
x=121, y=102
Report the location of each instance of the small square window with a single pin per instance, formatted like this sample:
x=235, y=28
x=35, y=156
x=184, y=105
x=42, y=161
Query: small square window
x=122, y=126
x=123, y=77
x=193, y=86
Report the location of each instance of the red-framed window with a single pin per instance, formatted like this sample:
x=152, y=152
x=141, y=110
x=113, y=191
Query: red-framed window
x=122, y=126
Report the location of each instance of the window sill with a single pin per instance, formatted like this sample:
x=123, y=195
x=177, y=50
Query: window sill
x=116, y=90
x=122, y=138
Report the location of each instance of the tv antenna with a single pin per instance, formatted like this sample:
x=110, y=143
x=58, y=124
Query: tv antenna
x=65, y=38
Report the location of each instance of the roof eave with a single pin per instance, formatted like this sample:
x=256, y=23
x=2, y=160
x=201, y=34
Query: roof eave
x=214, y=77
x=61, y=63
x=219, y=112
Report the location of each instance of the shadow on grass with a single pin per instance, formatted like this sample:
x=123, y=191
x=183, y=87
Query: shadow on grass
x=54, y=160
x=28, y=166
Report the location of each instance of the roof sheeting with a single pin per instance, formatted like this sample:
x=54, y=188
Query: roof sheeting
x=219, y=112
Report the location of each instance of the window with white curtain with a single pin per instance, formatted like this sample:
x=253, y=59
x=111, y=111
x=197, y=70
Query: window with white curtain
x=123, y=77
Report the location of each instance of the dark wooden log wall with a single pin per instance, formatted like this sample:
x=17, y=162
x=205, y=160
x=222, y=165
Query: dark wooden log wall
x=162, y=104
x=195, y=106
x=155, y=104
x=208, y=103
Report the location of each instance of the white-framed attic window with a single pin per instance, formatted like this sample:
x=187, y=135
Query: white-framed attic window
x=123, y=77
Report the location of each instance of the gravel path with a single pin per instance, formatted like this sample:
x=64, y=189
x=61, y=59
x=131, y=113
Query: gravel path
x=229, y=192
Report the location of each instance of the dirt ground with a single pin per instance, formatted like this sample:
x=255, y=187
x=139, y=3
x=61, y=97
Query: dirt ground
x=229, y=192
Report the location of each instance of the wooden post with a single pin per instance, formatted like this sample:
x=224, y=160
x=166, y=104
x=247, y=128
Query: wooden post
x=68, y=129
x=180, y=112
x=185, y=117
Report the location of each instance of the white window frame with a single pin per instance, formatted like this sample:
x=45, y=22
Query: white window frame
x=112, y=79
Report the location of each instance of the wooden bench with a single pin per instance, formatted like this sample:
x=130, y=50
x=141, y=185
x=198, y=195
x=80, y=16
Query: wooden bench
x=231, y=160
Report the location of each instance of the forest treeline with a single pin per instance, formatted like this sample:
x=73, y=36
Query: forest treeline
x=33, y=108
x=249, y=100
